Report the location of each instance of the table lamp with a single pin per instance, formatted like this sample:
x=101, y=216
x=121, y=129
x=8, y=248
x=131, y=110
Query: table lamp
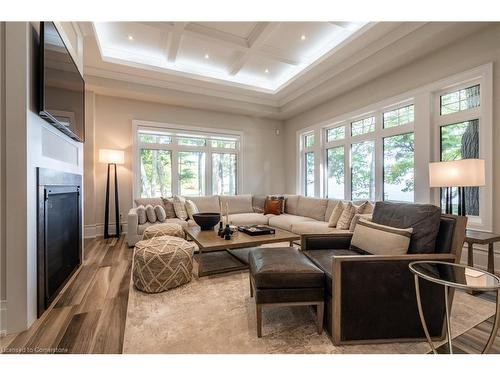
x=111, y=157
x=457, y=173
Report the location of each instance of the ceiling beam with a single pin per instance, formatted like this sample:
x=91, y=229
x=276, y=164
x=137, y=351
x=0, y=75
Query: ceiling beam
x=257, y=37
x=240, y=44
x=175, y=40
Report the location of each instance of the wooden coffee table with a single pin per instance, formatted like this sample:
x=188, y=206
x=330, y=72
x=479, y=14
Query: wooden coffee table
x=215, y=252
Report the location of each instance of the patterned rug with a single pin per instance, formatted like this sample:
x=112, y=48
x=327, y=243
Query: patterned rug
x=216, y=315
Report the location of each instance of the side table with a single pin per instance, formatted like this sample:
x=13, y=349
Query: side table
x=481, y=238
x=453, y=275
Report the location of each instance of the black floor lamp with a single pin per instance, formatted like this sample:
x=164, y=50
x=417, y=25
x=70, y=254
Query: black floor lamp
x=112, y=158
x=460, y=174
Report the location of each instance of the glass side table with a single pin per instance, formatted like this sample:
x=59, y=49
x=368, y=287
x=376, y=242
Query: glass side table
x=457, y=276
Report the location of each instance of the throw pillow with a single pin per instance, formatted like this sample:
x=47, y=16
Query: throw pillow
x=168, y=204
x=368, y=208
x=273, y=206
x=191, y=208
x=180, y=208
x=425, y=220
x=281, y=199
x=150, y=213
x=160, y=213
x=334, y=217
x=380, y=239
x=356, y=218
x=346, y=216
x=141, y=214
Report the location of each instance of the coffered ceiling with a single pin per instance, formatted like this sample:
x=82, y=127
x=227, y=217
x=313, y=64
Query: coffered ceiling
x=264, y=69
x=262, y=56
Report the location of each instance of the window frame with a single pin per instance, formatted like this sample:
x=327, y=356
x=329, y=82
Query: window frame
x=426, y=137
x=176, y=131
x=482, y=113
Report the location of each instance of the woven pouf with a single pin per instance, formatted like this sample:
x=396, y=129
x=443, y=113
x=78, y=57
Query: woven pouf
x=166, y=229
x=162, y=263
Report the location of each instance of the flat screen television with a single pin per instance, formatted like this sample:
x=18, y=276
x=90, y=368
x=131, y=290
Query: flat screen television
x=62, y=88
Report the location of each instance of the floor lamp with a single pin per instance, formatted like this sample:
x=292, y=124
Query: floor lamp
x=460, y=174
x=112, y=158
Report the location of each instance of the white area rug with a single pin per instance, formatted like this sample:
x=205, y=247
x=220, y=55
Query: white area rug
x=216, y=315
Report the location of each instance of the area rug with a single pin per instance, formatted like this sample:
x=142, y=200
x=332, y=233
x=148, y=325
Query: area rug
x=216, y=315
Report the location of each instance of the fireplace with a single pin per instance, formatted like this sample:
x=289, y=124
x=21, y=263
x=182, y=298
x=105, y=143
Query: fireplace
x=59, y=240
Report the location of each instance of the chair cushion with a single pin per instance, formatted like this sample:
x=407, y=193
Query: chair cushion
x=285, y=221
x=248, y=219
x=423, y=218
x=287, y=268
x=380, y=239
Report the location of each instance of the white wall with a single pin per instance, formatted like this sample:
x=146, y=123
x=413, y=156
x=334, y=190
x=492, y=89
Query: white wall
x=2, y=177
x=24, y=153
x=477, y=49
x=262, y=151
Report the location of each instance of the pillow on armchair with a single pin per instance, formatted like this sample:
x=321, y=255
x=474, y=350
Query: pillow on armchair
x=423, y=218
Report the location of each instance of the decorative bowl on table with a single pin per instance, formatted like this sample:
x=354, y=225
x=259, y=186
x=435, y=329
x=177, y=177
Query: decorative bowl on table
x=206, y=220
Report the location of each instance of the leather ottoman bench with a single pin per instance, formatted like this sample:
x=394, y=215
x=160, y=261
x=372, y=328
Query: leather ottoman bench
x=285, y=278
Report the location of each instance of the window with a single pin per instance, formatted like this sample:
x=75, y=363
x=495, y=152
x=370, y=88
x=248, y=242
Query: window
x=398, y=117
x=223, y=174
x=335, y=134
x=156, y=173
x=335, y=172
x=460, y=100
x=363, y=170
x=309, y=168
x=461, y=141
x=399, y=184
x=174, y=162
x=309, y=140
x=191, y=173
x=364, y=126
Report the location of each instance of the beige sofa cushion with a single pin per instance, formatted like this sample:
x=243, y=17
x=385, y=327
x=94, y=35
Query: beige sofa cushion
x=285, y=221
x=291, y=204
x=142, y=227
x=314, y=208
x=248, y=219
x=238, y=204
x=191, y=208
x=180, y=207
x=347, y=214
x=209, y=203
x=315, y=227
x=168, y=204
x=335, y=215
x=380, y=239
x=145, y=201
x=332, y=203
x=160, y=213
x=141, y=214
x=150, y=213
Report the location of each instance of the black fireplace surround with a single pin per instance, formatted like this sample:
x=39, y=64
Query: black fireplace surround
x=59, y=242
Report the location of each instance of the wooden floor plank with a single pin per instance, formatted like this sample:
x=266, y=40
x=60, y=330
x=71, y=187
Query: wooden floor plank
x=90, y=315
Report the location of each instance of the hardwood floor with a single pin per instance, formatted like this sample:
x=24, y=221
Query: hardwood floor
x=89, y=316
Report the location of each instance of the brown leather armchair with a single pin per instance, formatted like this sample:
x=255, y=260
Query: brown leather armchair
x=371, y=298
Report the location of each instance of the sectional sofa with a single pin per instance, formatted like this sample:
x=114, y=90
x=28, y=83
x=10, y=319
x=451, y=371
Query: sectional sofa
x=302, y=215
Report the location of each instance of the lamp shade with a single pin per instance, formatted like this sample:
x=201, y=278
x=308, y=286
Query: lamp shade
x=111, y=156
x=457, y=173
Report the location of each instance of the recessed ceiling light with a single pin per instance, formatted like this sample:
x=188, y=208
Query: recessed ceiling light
x=130, y=37
x=266, y=71
x=302, y=37
x=207, y=56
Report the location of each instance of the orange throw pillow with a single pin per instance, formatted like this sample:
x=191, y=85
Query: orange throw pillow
x=272, y=206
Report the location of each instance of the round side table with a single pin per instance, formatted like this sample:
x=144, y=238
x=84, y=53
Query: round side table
x=457, y=276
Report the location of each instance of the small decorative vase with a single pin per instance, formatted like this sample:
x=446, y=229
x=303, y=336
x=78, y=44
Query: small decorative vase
x=227, y=232
x=221, y=229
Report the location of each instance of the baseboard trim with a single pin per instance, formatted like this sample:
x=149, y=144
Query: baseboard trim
x=3, y=314
x=97, y=230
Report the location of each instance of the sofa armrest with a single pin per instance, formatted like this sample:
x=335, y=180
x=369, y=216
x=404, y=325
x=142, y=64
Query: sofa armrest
x=132, y=227
x=325, y=241
x=373, y=298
